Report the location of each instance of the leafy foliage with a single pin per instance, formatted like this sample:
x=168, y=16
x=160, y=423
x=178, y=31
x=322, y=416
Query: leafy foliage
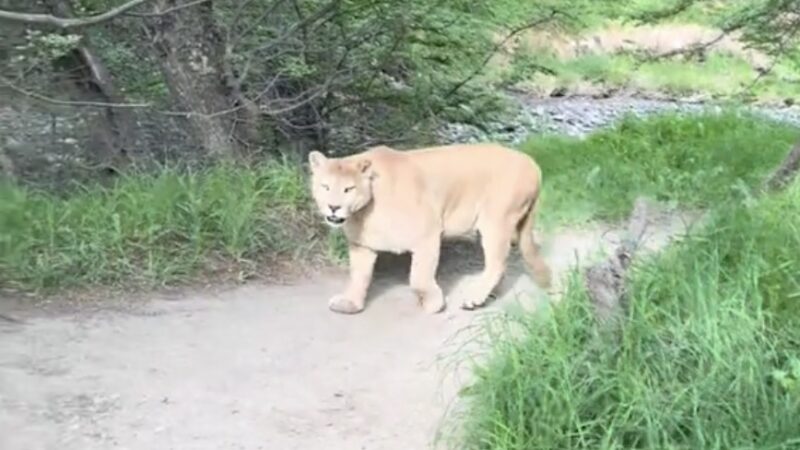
x=385, y=65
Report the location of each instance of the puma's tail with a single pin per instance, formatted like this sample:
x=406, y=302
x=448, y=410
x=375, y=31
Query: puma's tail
x=536, y=264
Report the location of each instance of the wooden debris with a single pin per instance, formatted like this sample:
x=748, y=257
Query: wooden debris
x=786, y=171
x=605, y=281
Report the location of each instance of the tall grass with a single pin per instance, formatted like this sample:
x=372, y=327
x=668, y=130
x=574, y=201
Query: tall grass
x=152, y=228
x=693, y=160
x=708, y=356
x=170, y=226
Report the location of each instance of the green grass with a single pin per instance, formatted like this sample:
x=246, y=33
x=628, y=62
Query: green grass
x=596, y=69
x=719, y=76
x=693, y=161
x=708, y=356
x=153, y=228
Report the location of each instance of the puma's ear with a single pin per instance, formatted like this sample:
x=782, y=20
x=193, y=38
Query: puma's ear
x=315, y=159
x=364, y=165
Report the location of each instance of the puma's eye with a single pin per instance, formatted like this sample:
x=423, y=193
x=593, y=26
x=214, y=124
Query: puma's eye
x=348, y=189
x=326, y=187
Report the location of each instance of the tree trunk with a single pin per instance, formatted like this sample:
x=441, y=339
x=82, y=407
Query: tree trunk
x=113, y=131
x=191, y=51
x=7, y=168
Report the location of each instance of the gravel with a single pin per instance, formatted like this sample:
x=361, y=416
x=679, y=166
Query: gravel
x=575, y=116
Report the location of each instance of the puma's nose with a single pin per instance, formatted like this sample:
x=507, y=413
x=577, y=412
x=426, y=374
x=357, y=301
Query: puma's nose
x=334, y=208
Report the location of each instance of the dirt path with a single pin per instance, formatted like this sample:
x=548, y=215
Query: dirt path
x=256, y=367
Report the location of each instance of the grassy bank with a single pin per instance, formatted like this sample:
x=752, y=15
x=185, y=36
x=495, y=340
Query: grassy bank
x=709, y=356
x=169, y=227
x=719, y=76
x=693, y=160
x=155, y=228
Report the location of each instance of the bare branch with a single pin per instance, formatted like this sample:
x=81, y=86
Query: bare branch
x=65, y=23
x=701, y=47
x=53, y=101
x=463, y=82
x=320, y=14
x=541, y=21
x=693, y=49
x=288, y=104
x=168, y=10
x=664, y=13
x=234, y=40
x=785, y=38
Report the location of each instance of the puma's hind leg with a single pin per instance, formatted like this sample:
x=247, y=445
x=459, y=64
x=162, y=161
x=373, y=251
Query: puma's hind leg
x=496, y=242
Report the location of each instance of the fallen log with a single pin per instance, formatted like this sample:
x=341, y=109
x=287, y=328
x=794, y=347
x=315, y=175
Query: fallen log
x=785, y=172
x=605, y=282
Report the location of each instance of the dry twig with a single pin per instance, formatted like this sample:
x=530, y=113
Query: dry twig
x=68, y=22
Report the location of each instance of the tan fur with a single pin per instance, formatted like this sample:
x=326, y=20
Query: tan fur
x=407, y=201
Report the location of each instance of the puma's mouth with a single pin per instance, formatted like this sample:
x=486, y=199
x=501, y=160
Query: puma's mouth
x=334, y=220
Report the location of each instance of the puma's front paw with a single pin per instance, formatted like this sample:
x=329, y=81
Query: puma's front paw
x=434, y=304
x=340, y=304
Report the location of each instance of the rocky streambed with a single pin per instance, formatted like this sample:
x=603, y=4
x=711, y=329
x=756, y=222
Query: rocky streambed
x=578, y=116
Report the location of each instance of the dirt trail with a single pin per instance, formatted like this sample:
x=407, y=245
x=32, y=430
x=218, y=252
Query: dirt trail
x=255, y=367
